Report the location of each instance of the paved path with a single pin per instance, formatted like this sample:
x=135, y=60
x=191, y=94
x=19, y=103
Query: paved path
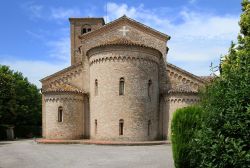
x=28, y=154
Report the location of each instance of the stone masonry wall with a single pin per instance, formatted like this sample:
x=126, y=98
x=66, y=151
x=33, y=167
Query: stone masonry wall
x=137, y=66
x=134, y=34
x=174, y=102
x=76, y=26
x=72, y=125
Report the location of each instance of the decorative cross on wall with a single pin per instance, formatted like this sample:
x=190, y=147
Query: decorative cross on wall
x=124, y=30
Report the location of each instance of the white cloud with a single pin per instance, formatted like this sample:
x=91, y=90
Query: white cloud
x=35, y=35
x=35, y=10
x=196, y=38
x=202, y=37
x=148, y=17
x=192, y=1
x=117, y=10
x=60, y=48
x=59, y=14
x=63, y=13
x=34, y=70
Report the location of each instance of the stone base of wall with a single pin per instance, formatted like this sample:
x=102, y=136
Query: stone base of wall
x=95, y=142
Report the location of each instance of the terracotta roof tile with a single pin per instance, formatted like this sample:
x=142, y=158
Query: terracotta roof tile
x=207, y=78
x=121, y=41
x=182, y=89
x=65, y=87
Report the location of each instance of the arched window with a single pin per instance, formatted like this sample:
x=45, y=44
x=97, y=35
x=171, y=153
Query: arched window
x=121, y=125
x=96, y=87
x=149, y=125
x=149, y=89
x=86, y=28
x=121, y=86
x=60, y=114
x=95, y=126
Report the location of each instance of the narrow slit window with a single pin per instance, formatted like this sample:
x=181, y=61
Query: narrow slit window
x=121, y=125
x=60, y=114
x=150, y=89
x=121, y=86
x=149, y=126
x=96, y=87
x=95, y=126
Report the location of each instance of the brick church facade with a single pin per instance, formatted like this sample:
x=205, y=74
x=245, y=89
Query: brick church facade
x=119, y=86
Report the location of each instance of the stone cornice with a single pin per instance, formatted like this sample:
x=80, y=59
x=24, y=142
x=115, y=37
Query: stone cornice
x=183, y=100
x=71, y=20
x=122, y=20
x=63, y=99
x=147, y=55
x=122, y=58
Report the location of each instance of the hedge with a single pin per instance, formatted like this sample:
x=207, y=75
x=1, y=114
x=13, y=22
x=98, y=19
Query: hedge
x=186, y=121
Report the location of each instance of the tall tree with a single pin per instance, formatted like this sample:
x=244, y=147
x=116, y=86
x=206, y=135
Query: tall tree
x=20, y=101
x=224, y=138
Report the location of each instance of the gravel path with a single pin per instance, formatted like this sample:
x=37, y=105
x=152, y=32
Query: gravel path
x=28, y=154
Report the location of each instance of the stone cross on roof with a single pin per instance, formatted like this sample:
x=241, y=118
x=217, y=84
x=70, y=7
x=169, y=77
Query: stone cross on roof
x=124, y=30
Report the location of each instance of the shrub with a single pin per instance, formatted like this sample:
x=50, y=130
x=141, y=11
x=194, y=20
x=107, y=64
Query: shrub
x=186, y=121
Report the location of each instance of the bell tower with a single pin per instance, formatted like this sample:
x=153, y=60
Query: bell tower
x=79, y=26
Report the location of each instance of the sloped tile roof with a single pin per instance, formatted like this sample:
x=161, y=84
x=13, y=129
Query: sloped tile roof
x=122, y=41
x=65, y=87
x=61, y=71
x=207, y=78
x=183, y=88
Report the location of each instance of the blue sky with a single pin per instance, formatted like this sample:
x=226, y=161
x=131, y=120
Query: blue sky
x=35, y=34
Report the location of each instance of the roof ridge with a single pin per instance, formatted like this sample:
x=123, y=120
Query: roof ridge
x=61, y=71
x=186, y=72
x=124, y=17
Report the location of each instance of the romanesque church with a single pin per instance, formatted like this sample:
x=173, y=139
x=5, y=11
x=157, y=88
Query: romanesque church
x=119, y=86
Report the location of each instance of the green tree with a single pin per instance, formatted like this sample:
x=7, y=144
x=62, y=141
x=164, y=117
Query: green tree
x=20, y=101
x=224, y=140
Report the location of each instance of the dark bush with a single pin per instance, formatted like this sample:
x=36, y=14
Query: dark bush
x=186, y=121
x=3, y=134
x=27, y=131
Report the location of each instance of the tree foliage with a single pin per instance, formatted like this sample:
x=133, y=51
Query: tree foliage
x=224, y=138
x=186, y=121
x=20, y=101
